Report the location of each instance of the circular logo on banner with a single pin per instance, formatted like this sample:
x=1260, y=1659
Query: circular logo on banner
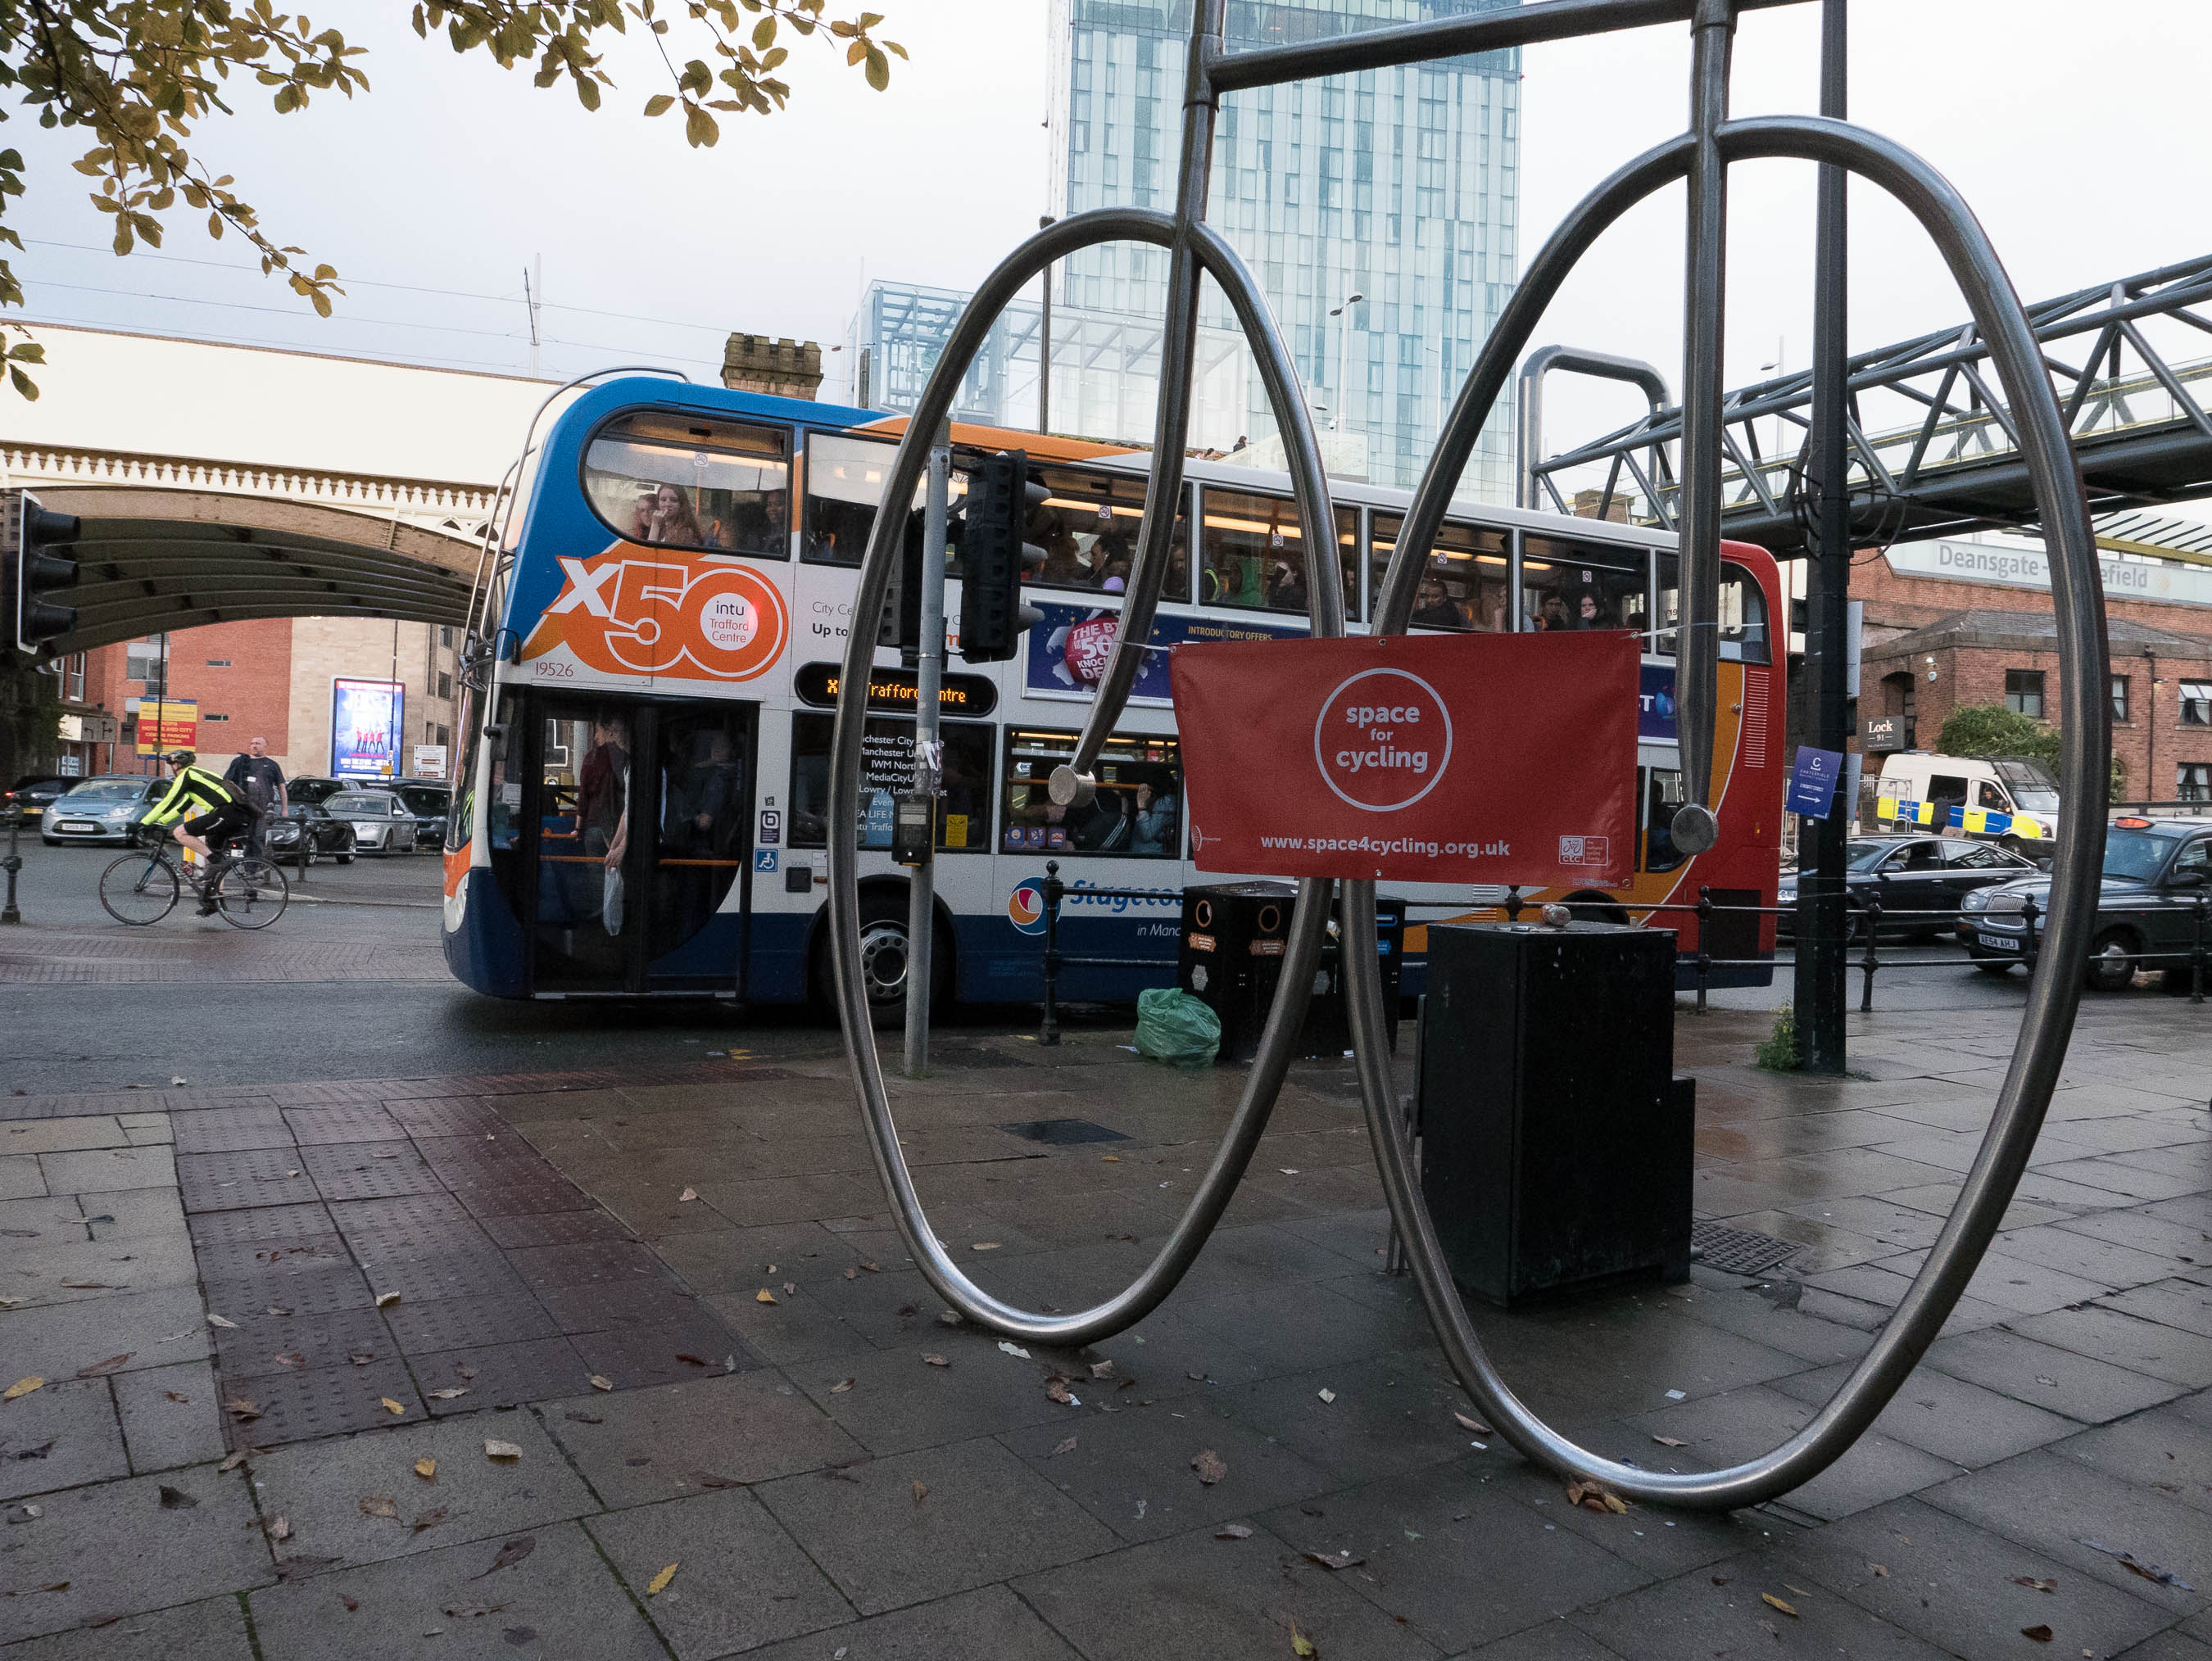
x=1383, y=740
x=738, y=623
x=1025, y=905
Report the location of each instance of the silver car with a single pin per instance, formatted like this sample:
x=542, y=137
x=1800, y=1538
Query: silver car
x=381, y=823
x=97, y=812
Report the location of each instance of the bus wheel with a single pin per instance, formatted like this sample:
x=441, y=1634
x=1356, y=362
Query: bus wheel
x=1596, y=907
x=883, y=960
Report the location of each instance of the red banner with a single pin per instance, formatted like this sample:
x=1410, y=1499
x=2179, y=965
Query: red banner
x=1435, y=758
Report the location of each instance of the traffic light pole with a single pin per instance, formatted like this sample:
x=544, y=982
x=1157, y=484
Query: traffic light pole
x=929, y=678
x=13, y=862
x=1821, y=919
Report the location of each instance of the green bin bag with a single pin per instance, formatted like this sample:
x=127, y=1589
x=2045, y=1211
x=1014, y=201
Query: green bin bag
x=1172, y=1026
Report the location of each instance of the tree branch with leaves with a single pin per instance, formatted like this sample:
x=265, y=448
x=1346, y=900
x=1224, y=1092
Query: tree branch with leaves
x=142, y=75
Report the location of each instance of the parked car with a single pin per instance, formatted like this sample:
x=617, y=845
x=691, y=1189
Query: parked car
x=34, y=792
x=380, y=821
x=317, y=792
x=1919, y=880
x=2156, y=871
x=430, y=803
x=98, y=811
x=304, y=832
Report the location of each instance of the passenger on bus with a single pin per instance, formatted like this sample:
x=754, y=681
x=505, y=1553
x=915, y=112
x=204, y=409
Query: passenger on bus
x=664, y=516
x=1553, y=616
x=1436, y=610
x=1117, y=577
x=1586, y=612
x=1153, y=830
x=1286, y=587
x=603, y=781
x=1063, y=558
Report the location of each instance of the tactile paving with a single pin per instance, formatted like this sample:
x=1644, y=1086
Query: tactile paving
x=636, y=1357
x=325, y=1401
x=264, y=1344
x=262, y=1223
x=543, y=1197
x=447, y=1275
x=599, y=1308
x=253, y=1176
x=319, y=1291
x=587, y=1263
x=558, y=1228
x=229, y=1129
x=434, y=1223
x=368, y=1170
x=447, y=1116
x=423, y=1328
x=240, y=1260
x=502, y=1375
x=344, y=1122
x=477, y=1162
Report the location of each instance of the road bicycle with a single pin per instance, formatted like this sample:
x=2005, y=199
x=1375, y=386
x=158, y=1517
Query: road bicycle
x=143, y=886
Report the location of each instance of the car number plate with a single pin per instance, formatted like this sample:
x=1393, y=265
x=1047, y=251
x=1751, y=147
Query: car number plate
x=1998, y=942
x=75, y=825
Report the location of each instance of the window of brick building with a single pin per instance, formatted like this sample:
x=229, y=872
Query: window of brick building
x=2196, y=703
x=2024, y=692
x=445, y=686
x=2193, y=782
x=2120, y=698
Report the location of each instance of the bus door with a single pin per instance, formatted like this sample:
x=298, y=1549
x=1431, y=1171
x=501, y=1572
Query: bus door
x=643, y=815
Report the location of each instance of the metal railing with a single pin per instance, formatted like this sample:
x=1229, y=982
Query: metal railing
x=1055, y=960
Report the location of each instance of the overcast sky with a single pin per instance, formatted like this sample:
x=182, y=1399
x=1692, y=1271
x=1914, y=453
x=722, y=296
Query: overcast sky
x=2076, y=131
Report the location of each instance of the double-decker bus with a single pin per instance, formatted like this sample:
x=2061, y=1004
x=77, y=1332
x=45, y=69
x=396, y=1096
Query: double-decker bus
x=641, y=801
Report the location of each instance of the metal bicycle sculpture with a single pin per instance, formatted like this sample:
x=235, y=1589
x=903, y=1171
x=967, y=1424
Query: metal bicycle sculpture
x=1702, y=156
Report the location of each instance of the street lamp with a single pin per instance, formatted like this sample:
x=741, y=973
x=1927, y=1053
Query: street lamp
x=1343, y=341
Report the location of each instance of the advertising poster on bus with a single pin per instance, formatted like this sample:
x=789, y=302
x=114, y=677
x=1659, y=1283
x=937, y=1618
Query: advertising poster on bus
x=1068, y=652
x=368, y=718
x=1474, y=758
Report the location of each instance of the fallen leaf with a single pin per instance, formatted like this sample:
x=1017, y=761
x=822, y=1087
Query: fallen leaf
x=445, y=1395
x=1102, y=1369
x=100, y=1369
x=217, y=1320
x=842, y=1386
x=427, y=1469
x=1209, y=1466
x=177, y=1397
x=91, y=1286
x=852, y=1274
x=2040, y=1634
x=584, y=1418
x=1670, y=1441
x=519, y=1636
x=38, y=1452
x=175, y=1499
x=239, y=1409
x=920, y=1492
x=948, y=1318
x=385, y=1299
x=394, y=1408
x=659, y=1582
x=790, y=1288
x=688, y=1194
x=1772, y=1602
x=465, y=1612
x=1301, y=1645
x=1333, y=1560
x=2129, y=1561
x=291, y=1358
x=1233, y=1531
x=600, y=1382
x=708, y=1479
x=21, y=1387
x=984, y=1246
x=1067, y=1446
x=1056, y=1389
x=1327, y=1394
x=1880, y=1572
x=466, y=1371
x=1596, y=1496
x=1013, y=1349
x=1475, y=1425
x=2034, y=1585
x=351, y=1604
x=764, y=1297
x=871, y=1268
x=361, y=1357
x=377, y=1505
x=280, y=1527
x=936, y=1360
x=510, y=1553
x=493, y=1450
x=239, y=1459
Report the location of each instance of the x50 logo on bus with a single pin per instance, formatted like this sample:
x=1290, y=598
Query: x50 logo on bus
x=637, y=611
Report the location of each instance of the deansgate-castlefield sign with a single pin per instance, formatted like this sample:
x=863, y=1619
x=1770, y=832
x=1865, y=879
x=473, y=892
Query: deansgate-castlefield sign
x=2009, y=567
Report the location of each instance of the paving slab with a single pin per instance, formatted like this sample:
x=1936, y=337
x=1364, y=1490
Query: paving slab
x=989, y=1621
x=21, y=1177
x=896, y=1401
x=2142, y=1346
x=115, y=1549
x=740, y=1580
x=212, y=1630
x=155, y=1329
x=56, y=1136
x=99, y=1170
x=978, y=1515
x=637, y=1446
x=60, y=1436
x=2046, y=1376
x=502, y=1374
x=2168, y=1449
x=1191, y=1595
x=1944, y=1415
x=457, y=1604
x=171, y=1416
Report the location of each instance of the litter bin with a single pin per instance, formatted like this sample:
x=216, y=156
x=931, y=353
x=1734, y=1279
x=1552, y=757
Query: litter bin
x=1234, y=935
x=1556, y=1144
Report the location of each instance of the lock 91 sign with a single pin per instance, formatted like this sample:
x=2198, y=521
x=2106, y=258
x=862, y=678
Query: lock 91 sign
x=1472, y=758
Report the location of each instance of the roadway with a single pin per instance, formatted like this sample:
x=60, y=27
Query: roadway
x=351, y=984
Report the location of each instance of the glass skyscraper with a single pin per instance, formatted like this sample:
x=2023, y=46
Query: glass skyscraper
x=1399, y=185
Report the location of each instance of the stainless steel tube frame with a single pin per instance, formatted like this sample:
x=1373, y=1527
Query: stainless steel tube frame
x=1309, y=919
x=2053, y=993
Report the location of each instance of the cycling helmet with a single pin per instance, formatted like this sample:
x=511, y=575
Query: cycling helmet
x=180, y=758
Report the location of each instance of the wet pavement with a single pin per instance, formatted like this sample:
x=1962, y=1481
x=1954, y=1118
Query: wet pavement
x=725, y=1416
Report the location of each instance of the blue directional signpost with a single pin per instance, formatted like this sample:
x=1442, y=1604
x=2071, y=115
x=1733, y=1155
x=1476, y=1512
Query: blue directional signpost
x=1812, y=780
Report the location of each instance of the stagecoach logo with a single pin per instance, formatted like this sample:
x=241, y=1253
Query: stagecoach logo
x=631, y=611
x=1382, y=739
x=1025, y=905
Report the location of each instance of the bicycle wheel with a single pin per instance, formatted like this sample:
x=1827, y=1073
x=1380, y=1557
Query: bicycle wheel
x=251, y=894
x=139, y=889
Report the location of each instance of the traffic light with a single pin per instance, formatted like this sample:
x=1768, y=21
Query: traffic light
x=900, y=623
x=993, y=557
x=32, y=564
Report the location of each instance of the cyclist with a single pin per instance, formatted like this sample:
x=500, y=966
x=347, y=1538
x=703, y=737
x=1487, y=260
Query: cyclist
x=219, y=814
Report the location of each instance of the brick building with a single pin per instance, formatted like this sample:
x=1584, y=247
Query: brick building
x=1931, y=642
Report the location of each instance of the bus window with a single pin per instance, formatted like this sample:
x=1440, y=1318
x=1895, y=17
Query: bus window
x=664, y=477
x=1255, y=554
x=1464, y=585
x=1663, y=794
x=887, y=770
x=1088, y=526
x=1581, y=585
x=1137, y=811
x=844, y=480
x=1742, y=613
